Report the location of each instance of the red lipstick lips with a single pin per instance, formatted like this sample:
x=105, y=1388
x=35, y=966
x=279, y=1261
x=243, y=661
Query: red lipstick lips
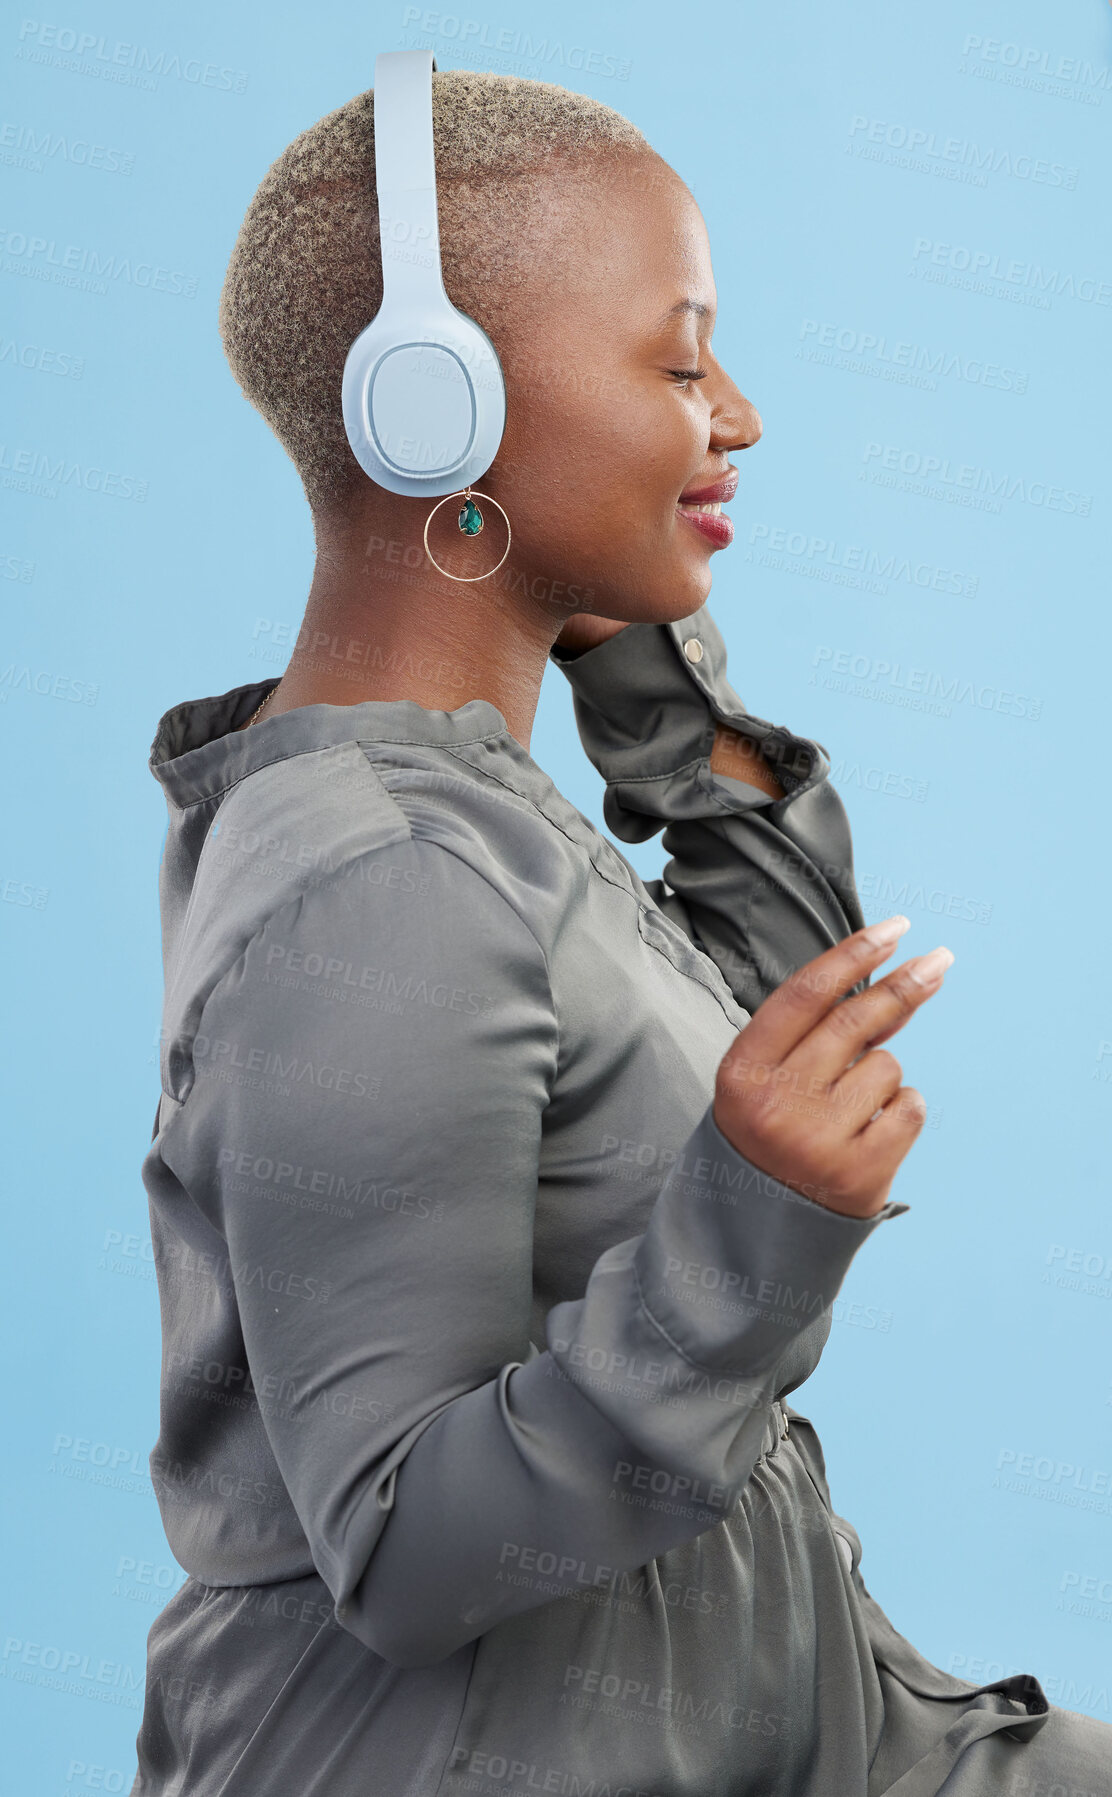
x=702, y=507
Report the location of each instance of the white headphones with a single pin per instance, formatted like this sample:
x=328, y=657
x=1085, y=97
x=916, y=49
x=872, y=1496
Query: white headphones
x=424, y=400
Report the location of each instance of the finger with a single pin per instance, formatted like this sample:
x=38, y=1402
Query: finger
x=875, y=1041
x=790, y=1012
x=865, y=1089
x=835, y=1043
x=887, y=1137
x=885, y=1034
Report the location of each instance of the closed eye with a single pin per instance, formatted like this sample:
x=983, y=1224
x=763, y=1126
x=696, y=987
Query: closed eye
x=689, y=374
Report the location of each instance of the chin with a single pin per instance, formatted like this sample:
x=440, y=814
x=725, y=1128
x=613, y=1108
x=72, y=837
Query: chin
x=685, y=594
x=650, y=586
x=658, y=607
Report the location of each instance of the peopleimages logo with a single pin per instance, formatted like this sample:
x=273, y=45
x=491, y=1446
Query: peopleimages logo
x=958, y=258
x=28, y=146
x=874, y=676
x=813, y=551
x=93, y=54
x=41, y=257
x=937, y=154
x=1042, y=71
x=869, y=352
x=968, y=478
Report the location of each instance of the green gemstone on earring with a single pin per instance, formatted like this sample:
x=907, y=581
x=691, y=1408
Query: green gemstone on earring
x=470, y=519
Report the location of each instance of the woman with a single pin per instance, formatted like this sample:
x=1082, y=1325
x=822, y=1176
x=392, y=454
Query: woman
x=486, y=1257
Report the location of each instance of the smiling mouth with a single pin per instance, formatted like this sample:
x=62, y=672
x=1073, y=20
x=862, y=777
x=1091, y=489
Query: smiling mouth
x=708, y=518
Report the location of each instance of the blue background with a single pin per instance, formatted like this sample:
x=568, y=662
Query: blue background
x=826, y=147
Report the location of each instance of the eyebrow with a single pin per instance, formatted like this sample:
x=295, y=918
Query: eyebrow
x=684, y=305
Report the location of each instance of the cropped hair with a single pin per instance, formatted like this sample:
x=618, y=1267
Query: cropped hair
x=305, y=274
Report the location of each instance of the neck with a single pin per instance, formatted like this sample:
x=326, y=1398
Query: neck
x=381, y=623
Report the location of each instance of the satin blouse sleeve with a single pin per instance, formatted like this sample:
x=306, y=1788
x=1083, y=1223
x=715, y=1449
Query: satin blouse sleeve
x=761, y=885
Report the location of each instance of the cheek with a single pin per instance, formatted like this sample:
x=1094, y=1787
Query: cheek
x=586, y=448
x=577, y=441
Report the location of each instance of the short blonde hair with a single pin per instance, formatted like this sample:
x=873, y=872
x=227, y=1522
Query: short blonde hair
x=305, y=274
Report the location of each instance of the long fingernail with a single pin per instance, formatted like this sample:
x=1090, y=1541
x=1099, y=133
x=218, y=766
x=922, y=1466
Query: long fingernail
x=928, y=967
x=892, y=928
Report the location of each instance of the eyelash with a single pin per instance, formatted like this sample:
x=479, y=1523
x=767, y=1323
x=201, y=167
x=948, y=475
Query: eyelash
x=689, y=374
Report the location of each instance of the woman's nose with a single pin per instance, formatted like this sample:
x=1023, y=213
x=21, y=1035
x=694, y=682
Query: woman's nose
x=737, y=424
x=754, y=426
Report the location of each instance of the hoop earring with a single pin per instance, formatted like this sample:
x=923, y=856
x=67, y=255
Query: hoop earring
x=470, y=523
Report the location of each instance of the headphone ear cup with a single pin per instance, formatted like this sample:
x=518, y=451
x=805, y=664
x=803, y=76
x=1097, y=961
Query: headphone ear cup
x=424, y=402
x=421, y=408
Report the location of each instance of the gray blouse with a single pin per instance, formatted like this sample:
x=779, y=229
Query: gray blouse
x=476, y=1329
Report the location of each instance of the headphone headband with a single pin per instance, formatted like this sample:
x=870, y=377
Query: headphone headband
x=405, y=170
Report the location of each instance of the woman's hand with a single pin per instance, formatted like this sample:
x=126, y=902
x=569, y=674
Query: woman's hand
x=798, y=1091
x=585, y=632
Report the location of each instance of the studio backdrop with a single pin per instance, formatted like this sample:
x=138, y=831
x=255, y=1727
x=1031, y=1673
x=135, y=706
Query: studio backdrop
x=907, y=211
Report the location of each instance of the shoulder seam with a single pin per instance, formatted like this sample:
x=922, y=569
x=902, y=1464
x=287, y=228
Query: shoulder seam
x=345, y=869
x=554, y=823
